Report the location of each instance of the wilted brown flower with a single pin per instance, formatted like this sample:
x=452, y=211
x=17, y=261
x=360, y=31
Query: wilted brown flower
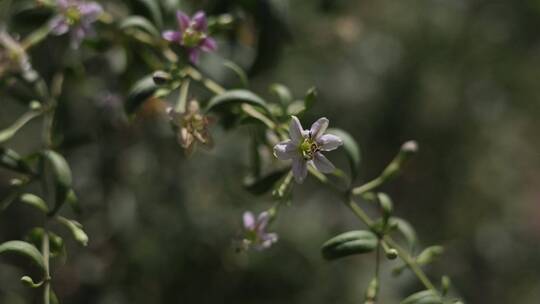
x=192, y=127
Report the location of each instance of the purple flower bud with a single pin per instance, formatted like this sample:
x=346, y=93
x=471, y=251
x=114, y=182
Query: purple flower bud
x=192, y=34
x=255, y=231
x=305, y=147
x=76, y=18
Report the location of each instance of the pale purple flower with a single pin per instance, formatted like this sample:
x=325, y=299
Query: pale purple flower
x=75, y=17
x=305, y=147
x=255, y=231
x=192, y=34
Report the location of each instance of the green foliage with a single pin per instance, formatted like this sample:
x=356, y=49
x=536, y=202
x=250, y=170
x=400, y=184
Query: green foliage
x=423, y=297
x=234, y=98
x=140, y=23
x=62, y=178
x=24, y=249
x=139, y=93
x=349, y=243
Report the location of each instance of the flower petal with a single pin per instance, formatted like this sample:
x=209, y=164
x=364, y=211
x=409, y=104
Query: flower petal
x=329, y=142
x=90, y=11
x=199, y=21
x=172, y=36
x=183, y=20
x=285, y=150
x=193, y=55
x=59, y=25
x=62, y=4
x=322, y=163
x=249, y=220
x=296, y=131
x=262, y=221
x=267, y=240
x=318, y=128
x=299, y=169
x=208, y=44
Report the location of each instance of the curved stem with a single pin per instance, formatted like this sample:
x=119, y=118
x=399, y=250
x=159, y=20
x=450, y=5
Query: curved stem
x=47, y=280
x=207, y=82
x=411, y=263
x=402, y=253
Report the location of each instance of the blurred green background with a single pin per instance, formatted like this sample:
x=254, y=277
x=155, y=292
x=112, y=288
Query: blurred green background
x=460, y=77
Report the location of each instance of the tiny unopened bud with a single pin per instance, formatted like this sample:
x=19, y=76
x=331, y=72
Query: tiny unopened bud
x=225, y=20
x=35, y=105
x=394, y=168
x=410, y=146
x=391, y=254
x=372, y=290
x=15, y=182
x=161, y=77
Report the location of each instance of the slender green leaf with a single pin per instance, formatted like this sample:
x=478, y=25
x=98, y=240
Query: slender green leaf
x=62, y=178
x=423, y=297
x=252, y=112
x=141, y=92
x=349, y=243
x=24, y=249
x=73, y=201
x=56, y=243
x=11, y=160
x=445, y=284
x=282, y=92
x=235, y=97
x=34, y=201
x=352, y=149
x=76, y=229
x=239, y=72
x=429, y=254
x=8, y=133
x=405, y=229
x=311, y=97
x=141, y=23
x=386, y=205
x=153, y=8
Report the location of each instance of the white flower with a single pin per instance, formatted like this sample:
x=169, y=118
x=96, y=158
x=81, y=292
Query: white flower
x=305, y=146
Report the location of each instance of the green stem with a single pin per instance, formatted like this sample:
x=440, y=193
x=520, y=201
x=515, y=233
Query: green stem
x=36, y=36
x=182, y=98
x=368, y=186
x=207, y=82
x=411, y=263
x=47, y=280
x=402, y=253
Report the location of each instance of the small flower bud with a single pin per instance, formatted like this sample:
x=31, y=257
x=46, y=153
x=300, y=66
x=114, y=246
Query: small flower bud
x=225, y=20
x=410, y=146
x=394, y=168
x=35, y=105
x=372, y=290
x=391, y=254
x=15, y=182
x=161, y=77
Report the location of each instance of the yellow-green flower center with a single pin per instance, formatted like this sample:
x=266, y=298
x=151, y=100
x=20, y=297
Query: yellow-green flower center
x=308, y=148
x=192, y=37
x=73, y=15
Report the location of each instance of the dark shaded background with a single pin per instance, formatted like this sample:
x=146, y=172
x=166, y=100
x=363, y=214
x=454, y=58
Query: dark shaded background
x=460, y=77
